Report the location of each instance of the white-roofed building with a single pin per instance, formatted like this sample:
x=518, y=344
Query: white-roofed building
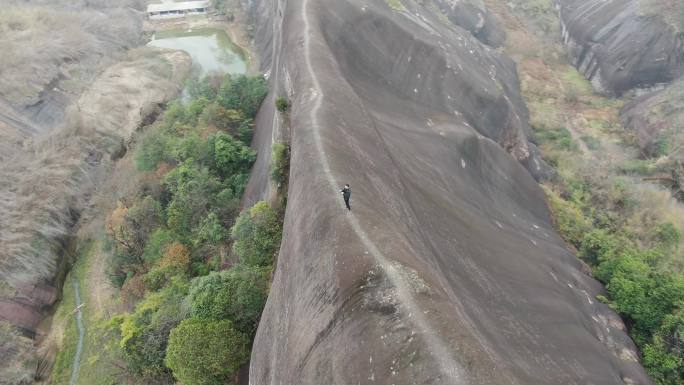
x=174, y=10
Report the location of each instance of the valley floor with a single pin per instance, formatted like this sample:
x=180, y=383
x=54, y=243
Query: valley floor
x=606, y=203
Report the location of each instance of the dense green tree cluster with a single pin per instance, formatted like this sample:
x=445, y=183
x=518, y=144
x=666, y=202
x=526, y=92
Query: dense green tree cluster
x=257, y=235
x=206, y=352
x=642, y=283
x=189, y=321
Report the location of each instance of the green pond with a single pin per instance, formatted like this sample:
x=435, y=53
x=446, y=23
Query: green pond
x=211, y=49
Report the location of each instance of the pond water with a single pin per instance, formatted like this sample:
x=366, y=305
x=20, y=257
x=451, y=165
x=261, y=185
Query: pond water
x=211, y=49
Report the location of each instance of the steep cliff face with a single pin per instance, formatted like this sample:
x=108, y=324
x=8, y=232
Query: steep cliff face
x=621, y=44
x=447, y=270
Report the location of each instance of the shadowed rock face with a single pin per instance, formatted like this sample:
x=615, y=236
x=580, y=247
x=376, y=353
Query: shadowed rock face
x=448, y=270
x=619, y=48
x=473, y=17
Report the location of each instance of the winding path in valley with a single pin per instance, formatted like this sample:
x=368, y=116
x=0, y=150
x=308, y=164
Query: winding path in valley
x=76, y=364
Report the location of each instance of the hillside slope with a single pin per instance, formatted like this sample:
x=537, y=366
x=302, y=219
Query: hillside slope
x=448, y=270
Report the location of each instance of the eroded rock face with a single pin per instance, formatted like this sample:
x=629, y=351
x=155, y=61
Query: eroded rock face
x=618, y=46
x=447, y=270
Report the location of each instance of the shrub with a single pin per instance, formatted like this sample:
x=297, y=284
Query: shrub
x=559, y=137
x=202, y=352
x=668, y=236
x=600, y=245
x=639, y=167
x=641, y=294
x=570, y=221
x=591, y=142
x=238, y=294
x=281, y=162
x=664, y=356
x=282, y=104
x=257, y=235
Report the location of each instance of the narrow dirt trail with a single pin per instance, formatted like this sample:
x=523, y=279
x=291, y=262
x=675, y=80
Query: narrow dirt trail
x=449, y=367
x=76, y=364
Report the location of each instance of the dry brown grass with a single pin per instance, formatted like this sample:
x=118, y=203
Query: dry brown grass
x=41, y=43
x=43, y=188
x=16, y=352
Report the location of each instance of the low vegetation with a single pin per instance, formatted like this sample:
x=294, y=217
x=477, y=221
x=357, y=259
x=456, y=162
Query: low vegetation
x=636, y=254
x=396, y=5
x=629, y=231
x=282, y=104
x=280, y=163
x=193, y=271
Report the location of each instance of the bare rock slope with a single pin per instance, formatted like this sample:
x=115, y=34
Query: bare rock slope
x=624, y=44
x=447, y=270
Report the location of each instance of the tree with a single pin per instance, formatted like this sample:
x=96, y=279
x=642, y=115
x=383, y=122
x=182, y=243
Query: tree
x=209, y=231
x=152, y=148
x=131, y=227
x=191, y=146
x=145, y=333
x=238, y=294
x=225, y=119
x=192, y=189
x=243, y=93
x=157, y=243
x=257, y=235
x=141, y=220
x=203, y=352
x=231, y=156
x=176, y=258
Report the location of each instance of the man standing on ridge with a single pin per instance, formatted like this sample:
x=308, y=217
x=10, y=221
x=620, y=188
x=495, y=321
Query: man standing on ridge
x=346, y=194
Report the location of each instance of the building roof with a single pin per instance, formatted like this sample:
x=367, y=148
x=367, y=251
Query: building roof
x=182, y=6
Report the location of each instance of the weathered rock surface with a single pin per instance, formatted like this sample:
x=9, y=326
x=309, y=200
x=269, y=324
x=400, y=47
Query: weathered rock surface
x=618, y=45
x=474, y=17
x=448, y=269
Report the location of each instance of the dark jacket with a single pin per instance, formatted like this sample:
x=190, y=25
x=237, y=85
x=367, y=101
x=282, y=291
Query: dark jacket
x=346, y=192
